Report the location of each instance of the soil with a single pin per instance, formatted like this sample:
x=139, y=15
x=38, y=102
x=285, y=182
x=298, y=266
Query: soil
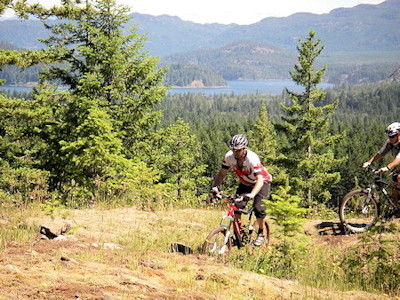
x=84, y=267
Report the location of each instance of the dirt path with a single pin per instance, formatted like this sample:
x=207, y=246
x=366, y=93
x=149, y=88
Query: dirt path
x=83, y=267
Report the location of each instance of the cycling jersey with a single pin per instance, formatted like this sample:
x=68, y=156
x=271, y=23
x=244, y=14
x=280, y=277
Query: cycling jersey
x=251, y=168
x=390, y=147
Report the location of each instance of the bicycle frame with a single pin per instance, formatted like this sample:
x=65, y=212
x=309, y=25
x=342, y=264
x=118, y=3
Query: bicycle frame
x=233, y=219
x=378, y=184
x=231, y=231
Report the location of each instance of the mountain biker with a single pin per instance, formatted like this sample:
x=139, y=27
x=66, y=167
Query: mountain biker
x=392, y=144
x=255, y=181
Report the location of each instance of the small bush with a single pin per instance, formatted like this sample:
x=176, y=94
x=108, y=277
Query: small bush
x=374, y=264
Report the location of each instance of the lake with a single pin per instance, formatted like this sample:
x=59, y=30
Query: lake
x=273, y=87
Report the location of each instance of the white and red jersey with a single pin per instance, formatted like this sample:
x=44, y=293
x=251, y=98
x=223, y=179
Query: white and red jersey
x=251, y=168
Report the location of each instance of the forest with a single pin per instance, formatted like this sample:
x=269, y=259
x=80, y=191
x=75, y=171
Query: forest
x=117, y=126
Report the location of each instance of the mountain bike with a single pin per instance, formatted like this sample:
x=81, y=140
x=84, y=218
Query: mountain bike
x=360, y=209
x=232, y=232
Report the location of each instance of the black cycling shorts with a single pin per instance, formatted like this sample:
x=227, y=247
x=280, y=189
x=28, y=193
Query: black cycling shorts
x=258, y=203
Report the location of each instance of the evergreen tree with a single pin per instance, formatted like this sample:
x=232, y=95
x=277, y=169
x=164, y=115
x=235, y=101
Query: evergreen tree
x=283, y=206
x=176, y=153
x=287, y=212
x=263, y=137
x=92, y=128
x=263, y=141
x=310, y=156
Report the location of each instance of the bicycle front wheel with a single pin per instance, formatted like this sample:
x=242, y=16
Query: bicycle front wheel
x=215, y=244
x=358, y=211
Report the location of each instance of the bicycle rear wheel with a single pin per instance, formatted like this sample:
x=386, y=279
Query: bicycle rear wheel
x=215, y=245
x=358, y=211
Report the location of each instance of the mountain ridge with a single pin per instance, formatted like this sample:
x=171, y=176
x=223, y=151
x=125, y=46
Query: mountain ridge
x=365, y=35
x=364, y=27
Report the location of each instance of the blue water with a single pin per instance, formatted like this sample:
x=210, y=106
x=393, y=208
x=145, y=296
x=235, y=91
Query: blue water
x=273, y=87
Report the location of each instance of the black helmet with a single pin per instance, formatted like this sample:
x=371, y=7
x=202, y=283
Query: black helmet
x=238, y=142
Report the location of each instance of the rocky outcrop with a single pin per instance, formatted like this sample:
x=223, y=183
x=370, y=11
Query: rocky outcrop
x=53, y=230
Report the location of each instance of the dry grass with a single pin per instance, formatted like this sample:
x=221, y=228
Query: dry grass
x=32, y=268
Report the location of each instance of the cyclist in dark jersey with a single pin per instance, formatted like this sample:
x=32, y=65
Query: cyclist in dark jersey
x=392, y=144
x=255, y=181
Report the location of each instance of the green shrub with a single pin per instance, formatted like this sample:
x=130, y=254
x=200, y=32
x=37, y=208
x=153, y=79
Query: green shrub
x=374, y=264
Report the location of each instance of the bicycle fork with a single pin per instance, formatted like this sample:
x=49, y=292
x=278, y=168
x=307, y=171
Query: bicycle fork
x=365, y=201
x=227, y=233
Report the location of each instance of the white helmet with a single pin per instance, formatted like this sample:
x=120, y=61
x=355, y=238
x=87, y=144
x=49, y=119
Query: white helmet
x=238, y=142
x=393, y=129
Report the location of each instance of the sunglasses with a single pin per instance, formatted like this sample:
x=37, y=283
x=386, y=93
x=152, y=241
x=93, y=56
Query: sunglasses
x=392, y=136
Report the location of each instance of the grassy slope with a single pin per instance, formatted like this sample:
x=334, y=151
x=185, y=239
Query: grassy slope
x=143, y=269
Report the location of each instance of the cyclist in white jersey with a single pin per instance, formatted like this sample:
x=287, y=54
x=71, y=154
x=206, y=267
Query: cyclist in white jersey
x=255, y=181
x=392, y=144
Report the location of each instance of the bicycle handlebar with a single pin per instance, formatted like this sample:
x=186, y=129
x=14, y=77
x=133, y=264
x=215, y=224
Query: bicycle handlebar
x=372, y=170
x=230, y=198
x=378, y=178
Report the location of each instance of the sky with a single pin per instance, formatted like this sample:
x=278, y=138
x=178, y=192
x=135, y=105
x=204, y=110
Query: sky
x=241, y=12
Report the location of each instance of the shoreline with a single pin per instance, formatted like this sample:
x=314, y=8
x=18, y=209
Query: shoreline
x=32, y=85
x=200, y=87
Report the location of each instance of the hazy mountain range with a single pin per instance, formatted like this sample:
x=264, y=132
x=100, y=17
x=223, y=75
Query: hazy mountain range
x=364, y=34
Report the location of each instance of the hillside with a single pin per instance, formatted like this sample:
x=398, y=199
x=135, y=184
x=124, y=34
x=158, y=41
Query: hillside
x=241, y=60
x=361, y=45
x=123, y=254
x=360, y=29
x=168, y=34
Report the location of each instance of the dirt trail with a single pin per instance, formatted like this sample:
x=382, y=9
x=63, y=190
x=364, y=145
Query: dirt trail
x=80, y=268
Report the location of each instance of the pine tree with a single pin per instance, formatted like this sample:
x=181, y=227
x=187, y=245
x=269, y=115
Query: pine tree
x=287, y=212
x=263, y=137
x=310, y=157
x=92, y=129
x=175, y=153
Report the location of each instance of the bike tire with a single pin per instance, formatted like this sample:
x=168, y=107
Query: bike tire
x=214, y=243
x=253, y=235
x=358, y=211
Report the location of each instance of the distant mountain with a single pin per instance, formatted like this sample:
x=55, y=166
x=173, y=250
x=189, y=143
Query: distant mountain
x=364, y=35
x=167, y=35
x=23, y=33
x=361, y=28
x=240, y=60
x=7, y=46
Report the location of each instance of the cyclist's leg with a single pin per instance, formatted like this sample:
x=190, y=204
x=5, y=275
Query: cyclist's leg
x=259, y=203
x=259, y=211
x=395, y=189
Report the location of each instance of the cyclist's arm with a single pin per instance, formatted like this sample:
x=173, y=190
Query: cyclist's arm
x=394, y=163
x=257, y=187
x=220, y=177
x=376, y=157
